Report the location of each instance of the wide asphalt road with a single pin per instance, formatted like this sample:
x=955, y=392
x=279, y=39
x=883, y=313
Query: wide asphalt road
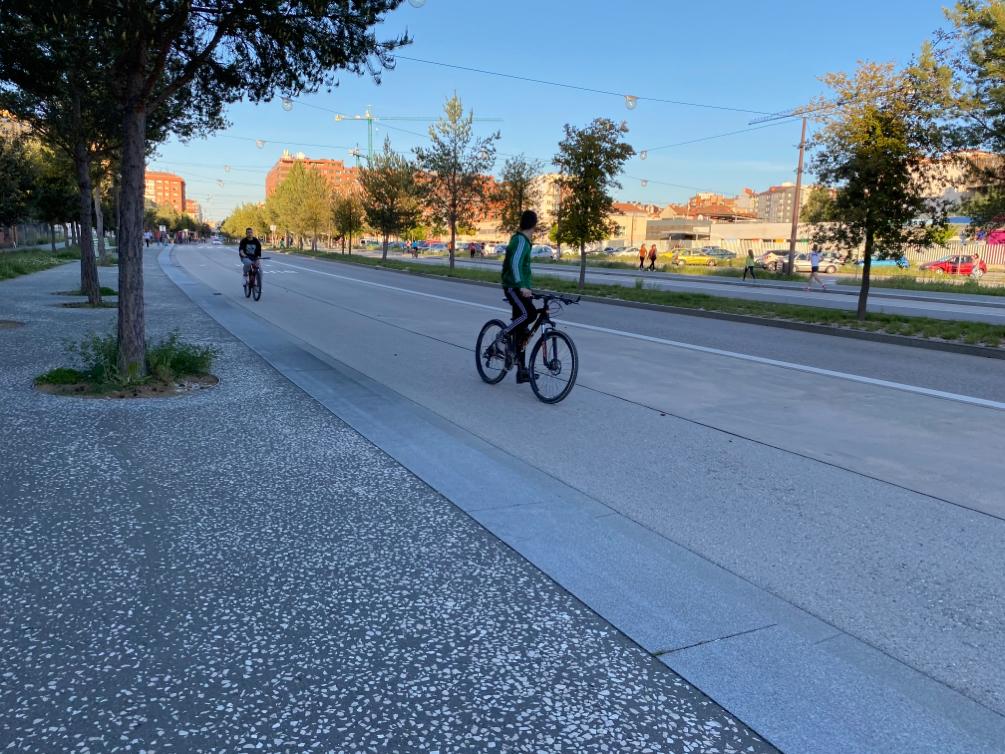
x=881, y=300
x=859, y=482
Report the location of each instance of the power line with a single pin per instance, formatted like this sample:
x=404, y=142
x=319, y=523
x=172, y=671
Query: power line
x=582, y=88
x=716, y=136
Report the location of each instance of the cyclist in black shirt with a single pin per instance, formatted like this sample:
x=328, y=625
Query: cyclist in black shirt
x=250, y=251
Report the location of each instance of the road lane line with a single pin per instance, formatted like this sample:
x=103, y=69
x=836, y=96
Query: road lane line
x=805, y=368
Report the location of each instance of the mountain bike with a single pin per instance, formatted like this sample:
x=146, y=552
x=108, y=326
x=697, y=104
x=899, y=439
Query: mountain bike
x=554, y=362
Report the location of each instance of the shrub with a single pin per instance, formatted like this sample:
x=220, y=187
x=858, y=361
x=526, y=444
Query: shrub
x=172, y=358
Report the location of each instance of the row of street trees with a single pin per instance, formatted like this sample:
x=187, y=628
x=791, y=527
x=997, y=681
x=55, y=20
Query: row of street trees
x=107, y=80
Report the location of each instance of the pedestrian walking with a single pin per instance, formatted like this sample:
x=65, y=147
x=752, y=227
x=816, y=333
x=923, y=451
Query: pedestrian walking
x=642, y=256
x=815, y=268
x=748, y=265
x=471, y=249
x=652, y=258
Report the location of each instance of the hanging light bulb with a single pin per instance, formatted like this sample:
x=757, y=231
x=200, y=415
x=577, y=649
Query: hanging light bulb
x=356, y=117
x=226, y=168
x=339, y=117
x=220, y=184
x=631, y=101
x=643, y=154
x=644, y=183
x=416, y=3
x=287, y=104
x=259, y=143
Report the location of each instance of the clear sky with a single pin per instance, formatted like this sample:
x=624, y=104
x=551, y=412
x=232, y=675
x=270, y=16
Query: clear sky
x=762, y=56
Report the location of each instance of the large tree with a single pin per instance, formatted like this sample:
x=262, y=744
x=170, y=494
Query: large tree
x=390, y=194
x=974, y=48
x=590, y=159
x=878, y=150
x=819, y=207
x=302, y=204
x=517, y=191
x=349, y=218
x=17, y=181
x=456, y=163
x=175, y=60
x=56, y=193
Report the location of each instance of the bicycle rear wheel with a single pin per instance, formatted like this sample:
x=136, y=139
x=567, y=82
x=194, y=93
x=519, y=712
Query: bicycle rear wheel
x=490, y=352
x=553, y=366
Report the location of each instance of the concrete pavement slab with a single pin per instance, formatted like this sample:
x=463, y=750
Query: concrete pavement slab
x=702, y=489
x=238, y=570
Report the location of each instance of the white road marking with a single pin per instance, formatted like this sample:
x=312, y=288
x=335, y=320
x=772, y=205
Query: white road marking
x=806, y=368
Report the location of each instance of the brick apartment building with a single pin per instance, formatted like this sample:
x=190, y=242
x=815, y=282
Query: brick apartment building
x=193, y=209
x=165, y=189
x=341, y=178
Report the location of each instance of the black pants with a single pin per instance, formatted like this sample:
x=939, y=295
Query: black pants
x=524, y=316
x=751, y=271
x=652, y=265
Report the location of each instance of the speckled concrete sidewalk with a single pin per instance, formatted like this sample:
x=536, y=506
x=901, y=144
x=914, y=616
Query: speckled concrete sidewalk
x=237, y=570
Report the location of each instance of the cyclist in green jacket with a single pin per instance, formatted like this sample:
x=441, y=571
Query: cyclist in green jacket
x=516, y=282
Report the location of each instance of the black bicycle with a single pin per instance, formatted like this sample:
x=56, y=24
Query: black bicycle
x=554, y=362
x=253, y=283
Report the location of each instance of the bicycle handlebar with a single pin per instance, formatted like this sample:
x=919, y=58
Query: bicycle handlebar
x=557, y=297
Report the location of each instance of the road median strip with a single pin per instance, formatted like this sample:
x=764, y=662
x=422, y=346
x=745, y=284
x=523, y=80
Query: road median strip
x=978, y=338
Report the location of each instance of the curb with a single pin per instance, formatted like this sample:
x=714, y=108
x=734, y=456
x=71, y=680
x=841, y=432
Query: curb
x=899, y=340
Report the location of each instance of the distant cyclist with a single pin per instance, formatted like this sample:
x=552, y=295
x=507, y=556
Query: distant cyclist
x=516, y=281
x=250, y=251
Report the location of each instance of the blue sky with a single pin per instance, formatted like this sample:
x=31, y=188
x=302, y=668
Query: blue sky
x=763, y=56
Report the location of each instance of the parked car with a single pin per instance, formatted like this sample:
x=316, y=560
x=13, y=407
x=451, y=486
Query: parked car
x=958, y=264
x=437, y=248
x=613, y=250
x=543, y=251
x=499, y=250
x=773, y=260
x=719, y=253
x=682, y=257
x=216, y=241
x=829, y=262
x=900, y=262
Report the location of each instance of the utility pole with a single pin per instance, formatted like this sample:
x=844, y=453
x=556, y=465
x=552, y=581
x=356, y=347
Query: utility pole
x=796, y=201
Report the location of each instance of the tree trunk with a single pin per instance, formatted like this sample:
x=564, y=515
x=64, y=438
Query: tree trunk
x=582, y=265
x=73, y=232
x=13, y=234
x=99, y=218
x=453, y=237
x=383, y=254
x=66, y=236
x=863, y=292
x=89, y=285
x=132, y=324
x=52, y=237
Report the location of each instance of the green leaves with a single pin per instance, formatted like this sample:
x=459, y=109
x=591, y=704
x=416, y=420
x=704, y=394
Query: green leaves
x=391, y=194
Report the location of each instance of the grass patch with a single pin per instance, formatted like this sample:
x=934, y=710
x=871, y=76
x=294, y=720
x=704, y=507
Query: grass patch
x=932, y=284
x=980, y=333
x=16, y=263
x=105, y=291
x=97, y=373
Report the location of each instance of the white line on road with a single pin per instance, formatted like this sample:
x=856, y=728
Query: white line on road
x=873, y=381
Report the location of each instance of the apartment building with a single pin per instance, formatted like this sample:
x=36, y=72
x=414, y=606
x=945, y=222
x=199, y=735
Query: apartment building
x=342, y=178
x=165, y=189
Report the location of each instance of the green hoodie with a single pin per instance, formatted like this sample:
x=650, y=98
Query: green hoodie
x=516, y=265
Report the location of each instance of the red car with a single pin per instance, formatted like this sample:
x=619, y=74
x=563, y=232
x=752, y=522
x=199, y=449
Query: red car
x=961, y=264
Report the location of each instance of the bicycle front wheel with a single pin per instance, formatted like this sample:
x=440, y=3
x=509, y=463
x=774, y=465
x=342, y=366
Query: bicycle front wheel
x=247, y=289
x=553, y=367
x=490, y=352
x=258, y=286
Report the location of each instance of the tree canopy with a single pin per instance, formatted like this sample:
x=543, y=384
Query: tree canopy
x=456, y=163
x=590, y=160
x=876, y=151
x=391, y=196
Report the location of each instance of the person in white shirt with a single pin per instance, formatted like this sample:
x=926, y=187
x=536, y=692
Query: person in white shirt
x=815, y=268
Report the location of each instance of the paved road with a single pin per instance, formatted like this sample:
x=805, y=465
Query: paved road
x=856, y=484
x=240, y=571
x=909, y=303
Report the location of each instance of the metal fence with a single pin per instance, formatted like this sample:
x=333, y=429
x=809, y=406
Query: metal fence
x=27, y=234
